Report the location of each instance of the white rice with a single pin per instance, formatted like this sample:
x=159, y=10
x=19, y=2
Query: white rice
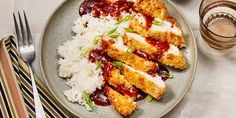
x=85, y=78
x=81, y=73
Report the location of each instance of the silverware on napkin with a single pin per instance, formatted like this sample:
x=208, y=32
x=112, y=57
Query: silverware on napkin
x=16, y=97
x=27, y=50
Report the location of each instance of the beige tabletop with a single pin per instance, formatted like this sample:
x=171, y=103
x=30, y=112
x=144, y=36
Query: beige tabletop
x=213, y=92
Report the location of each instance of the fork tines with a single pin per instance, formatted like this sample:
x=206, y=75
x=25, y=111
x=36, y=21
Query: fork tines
x=23, y=33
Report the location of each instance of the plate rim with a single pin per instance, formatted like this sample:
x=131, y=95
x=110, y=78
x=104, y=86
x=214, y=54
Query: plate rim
x=165, y=111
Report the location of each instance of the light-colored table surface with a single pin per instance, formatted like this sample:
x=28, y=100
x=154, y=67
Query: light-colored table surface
x=213, y=92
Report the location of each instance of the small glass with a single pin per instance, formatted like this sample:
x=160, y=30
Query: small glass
x=218, y=23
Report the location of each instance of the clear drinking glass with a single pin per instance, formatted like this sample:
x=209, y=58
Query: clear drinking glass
x=218, y=23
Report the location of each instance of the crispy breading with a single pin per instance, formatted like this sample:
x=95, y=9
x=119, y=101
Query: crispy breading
x=176, y=61
x=129, y=41
x=130, y=59
x=140, y=81
x=118, y=81
x=169, y=37
x=154, y=8
x=124, y=105
x=172, y=20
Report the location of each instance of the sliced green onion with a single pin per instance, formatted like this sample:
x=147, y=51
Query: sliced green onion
x=126, y=18
x=158, y=23
x=117, y=64
x=84, y=52
x=166, y=74
x=98, y=64
x=114, y=36
x=129, y=30
x=112, y=31
x=130, y=51
x=96, y=39
x=88, y=101
x=149, y=98
x=119, y=22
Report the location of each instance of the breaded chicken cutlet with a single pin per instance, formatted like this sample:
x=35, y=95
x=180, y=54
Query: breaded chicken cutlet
x=119, y=52
x=124, y=105
x=154, y=8
x=161, y=30
x=154, y=86
x=115, y=79
x=172, y=57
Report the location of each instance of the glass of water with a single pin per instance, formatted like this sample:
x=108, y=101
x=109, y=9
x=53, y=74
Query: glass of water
x=218, y=23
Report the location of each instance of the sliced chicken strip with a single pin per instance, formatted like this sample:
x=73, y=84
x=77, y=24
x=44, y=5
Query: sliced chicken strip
x=154, y=86
x=114, y=78
x=171, y=57
x=162, y=31
x=124, y=105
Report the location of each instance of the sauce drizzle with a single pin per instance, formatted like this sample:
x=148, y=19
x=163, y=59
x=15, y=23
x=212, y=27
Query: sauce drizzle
x=149, y=20
x=141, y=95
x=100, y=98
x=131, y=92
x=162, y=68
x=104, y=7
x=161, y=46
x=141, y=54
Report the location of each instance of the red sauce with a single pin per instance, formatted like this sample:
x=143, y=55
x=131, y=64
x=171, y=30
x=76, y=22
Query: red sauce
x=149, y=20
x=107, y=68
x=141, y=95
x=153, y=71
x=161, y=46
x=96, y=55
x=107, y=44
x=162, y=68
x=141, y=54
x=99, y=97
x=132, y=92
x=104, y=7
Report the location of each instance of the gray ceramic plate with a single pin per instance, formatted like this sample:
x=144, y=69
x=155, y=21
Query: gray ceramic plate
x=58, y=30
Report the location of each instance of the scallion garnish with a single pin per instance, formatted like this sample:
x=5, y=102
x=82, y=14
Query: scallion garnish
x=98, y=64
x=131, y=50
x=96, y=39
x=158, y=23
x=84, y=52
x=117, y=64
x=88, y=101
x=149, y=98
x=129, y=30
x=112, y=31
x=114, y=36
x=126, y=18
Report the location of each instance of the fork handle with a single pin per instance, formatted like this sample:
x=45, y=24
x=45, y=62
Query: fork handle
x=38, y=105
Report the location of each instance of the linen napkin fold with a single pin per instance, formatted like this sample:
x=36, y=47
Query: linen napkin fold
x=18, y=86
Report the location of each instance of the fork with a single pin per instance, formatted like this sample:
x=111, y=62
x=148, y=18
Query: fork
x=27, y=51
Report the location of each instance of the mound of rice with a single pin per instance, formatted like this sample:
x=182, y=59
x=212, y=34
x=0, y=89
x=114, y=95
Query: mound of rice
x=81, y=74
